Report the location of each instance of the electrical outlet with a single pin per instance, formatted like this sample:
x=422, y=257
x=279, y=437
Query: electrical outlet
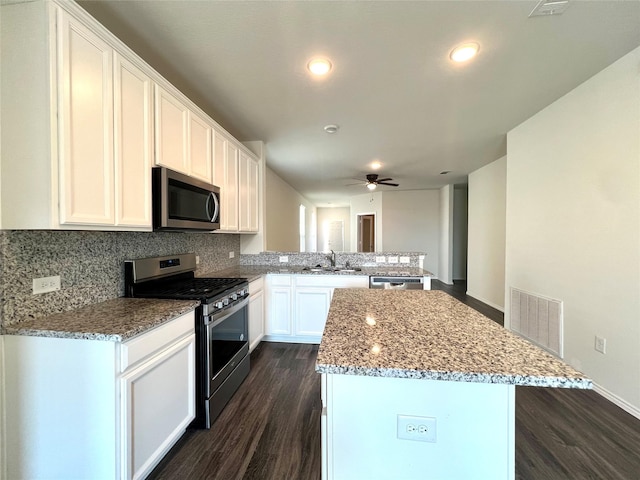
x=197, y=259
x=232, y=254
x=405, y=260
x=284, y=259
x=381, y=259
x=393, y=259
x=421, y=429
x=601, y=344
x=46, y=284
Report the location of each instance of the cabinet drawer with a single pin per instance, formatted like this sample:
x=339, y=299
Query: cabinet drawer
x=256, y=286
x=280, y=280
x=147, y=344
x=333, y=281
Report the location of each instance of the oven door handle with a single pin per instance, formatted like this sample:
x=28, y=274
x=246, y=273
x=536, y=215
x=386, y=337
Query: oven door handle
x=217, y=318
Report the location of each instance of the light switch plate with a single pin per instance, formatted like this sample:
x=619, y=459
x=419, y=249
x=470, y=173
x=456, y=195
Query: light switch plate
x=393, y=259
x=405, y=260
x=381, y=259
x=284, y=259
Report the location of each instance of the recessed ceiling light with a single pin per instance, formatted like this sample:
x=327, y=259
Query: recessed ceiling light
x=375, y=165
x=464, y=52
x=331, y=128
x=319, y=66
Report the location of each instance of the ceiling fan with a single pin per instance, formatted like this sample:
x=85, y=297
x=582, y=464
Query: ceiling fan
x=373, y=181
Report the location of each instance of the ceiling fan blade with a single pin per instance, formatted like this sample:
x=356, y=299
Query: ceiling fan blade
x=384, y=180
x=352, y=184
x=390, y=184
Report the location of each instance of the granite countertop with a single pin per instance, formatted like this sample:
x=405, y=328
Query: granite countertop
x=427, y=334
x=115, y=320
x=251, y=272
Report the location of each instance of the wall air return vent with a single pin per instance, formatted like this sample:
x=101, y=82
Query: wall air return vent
x=538, y=319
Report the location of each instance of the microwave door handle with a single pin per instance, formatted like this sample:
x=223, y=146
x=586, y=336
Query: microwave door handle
x=216, y=207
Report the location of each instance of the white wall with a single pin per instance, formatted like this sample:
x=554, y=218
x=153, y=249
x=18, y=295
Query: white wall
x=487, y=223
x=328, y=215
x=573, y=221
x=460, y=216
x=282, y=215
x=366, y=204
x=445, y=258
x=410, y=223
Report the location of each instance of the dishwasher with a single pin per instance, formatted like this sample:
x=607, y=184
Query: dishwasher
x=397, y=282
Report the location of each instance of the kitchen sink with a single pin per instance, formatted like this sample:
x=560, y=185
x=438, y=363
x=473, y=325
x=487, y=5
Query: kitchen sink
x=318, y=268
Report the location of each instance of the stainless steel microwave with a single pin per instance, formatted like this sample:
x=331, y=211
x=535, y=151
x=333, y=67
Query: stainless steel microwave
x=183, y=203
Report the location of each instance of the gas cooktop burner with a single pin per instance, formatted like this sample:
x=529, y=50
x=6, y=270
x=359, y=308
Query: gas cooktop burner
x=196, y=288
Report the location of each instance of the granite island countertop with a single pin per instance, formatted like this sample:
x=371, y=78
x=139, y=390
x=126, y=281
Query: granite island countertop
x=251, y=272
x=427, y=334
x=114, y=320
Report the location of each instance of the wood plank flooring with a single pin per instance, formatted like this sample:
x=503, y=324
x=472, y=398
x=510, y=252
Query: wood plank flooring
x=270, y=430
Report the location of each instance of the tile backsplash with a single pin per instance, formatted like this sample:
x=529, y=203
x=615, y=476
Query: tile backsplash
x=90, y=264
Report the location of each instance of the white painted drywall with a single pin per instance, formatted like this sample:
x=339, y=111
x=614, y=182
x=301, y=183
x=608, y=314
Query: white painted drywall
x=487, y=220
x=328, y=215
x=573, y=220
x=445, y=259
x=410, y=223
x=366, y=204
x=282, y=215
x=460, y=214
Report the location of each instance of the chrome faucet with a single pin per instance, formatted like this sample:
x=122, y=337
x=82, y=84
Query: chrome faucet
x=332, y=258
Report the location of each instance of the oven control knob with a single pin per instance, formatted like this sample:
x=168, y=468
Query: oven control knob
x=225, y=302
x=243, y=292
x=234, y=296
x=219, y=305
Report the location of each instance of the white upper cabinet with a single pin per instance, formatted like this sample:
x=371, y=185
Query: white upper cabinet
x=171, y=132
x=248, y=193
x=85, y=69
x=237, y=175
x=133, y=140
x=201, y=164
x=78, y=151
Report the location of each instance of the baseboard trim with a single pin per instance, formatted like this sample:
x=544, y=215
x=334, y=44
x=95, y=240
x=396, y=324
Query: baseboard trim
x=491, y=304
x=613, y=398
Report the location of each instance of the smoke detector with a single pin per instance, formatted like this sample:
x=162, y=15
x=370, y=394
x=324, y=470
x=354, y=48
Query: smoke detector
x=545, y=8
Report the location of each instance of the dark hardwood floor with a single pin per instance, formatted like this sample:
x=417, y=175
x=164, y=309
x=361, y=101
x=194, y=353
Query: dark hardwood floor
x=271, y=428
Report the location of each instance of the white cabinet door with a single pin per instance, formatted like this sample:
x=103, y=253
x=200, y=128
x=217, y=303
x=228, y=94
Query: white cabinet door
x=85, y=76
x=256, y=318
x=231, y=191
x=311, y=309
x=171, y=131
x=133, y=143
x=248, y=193
x=200, y=147
x=158, y=402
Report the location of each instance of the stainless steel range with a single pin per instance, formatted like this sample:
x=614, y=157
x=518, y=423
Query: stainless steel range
x=222, y=337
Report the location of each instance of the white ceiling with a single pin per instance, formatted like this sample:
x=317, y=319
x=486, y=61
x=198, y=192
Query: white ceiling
x=393, y=91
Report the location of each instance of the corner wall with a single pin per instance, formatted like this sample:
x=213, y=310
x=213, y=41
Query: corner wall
x=573, y=222
x=283, y=215
x=487, y=223
x=445, y=258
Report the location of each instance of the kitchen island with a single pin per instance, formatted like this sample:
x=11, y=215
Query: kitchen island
x=416, y=385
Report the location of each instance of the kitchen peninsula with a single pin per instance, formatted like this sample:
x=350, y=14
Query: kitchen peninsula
x=416, y=385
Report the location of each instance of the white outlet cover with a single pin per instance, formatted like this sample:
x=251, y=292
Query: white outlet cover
x=46, y=284
x=197, y=259
x=381, y=260
x=405, y=260
x=232, y=254
x=284, y=259
x=420, y=429
x=393, y=259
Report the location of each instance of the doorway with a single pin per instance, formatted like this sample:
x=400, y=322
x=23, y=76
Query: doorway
x=367, y=232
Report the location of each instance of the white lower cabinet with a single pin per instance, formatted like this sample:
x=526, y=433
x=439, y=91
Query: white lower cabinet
x=297, y=305
x=256, y=312
x=96, y=409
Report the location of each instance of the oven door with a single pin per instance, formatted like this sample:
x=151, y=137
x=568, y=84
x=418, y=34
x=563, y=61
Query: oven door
x=227, y=343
